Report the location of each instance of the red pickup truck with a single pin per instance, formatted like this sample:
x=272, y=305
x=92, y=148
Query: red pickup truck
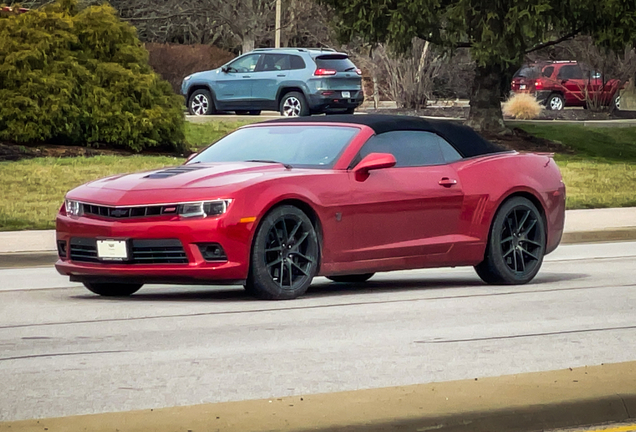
x=565, y=83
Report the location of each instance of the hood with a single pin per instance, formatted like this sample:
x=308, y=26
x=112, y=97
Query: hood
x=189, y=177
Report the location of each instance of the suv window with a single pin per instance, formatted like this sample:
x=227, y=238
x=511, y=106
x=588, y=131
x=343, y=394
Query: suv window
x=296, y=62
x=244, y=64
x=411, y=148
x=527, y=72
x=338, y=62
x=570, y=72
x=548, y=71
x=274, y=62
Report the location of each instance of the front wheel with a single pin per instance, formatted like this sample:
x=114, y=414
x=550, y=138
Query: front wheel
x=201, y=103
x=284, y=256
x=294, y=104
x=112, y=289
x=516, y=244
x=357, y=278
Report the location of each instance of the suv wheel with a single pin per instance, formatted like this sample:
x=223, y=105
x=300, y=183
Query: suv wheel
x=555, y=102
x=201, y=103
x=293, y=104
x=617, y=101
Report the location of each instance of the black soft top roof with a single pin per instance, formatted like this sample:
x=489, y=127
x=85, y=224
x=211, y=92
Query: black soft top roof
x=468, y=142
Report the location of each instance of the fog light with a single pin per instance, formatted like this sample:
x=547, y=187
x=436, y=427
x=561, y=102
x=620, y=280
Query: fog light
x=61, y=249
x=212, y=252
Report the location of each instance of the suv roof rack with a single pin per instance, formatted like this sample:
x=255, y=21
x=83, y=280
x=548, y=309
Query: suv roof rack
x=295, y=48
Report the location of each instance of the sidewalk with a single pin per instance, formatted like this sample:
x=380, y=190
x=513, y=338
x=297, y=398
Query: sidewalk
x=580, y=226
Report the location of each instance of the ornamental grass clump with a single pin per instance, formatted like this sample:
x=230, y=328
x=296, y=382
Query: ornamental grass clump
x=80, y=76
x=522, y=106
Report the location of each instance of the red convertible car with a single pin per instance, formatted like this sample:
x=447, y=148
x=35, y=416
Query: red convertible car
x=274, y=204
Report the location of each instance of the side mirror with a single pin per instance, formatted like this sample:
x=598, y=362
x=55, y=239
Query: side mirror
x=224, y=69
x=191, y=157
x=373, y=161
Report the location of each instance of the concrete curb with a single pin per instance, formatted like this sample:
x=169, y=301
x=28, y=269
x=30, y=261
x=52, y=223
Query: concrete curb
x=513, y=403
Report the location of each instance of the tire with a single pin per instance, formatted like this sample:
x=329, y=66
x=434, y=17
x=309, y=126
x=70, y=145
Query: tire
x=294, y=104
x=112, y=289
x=285, y=255
x=616, y=101
x=555, y=102
x=201, y=103
x=516, y=244
x=357, y=278
x=350, y=110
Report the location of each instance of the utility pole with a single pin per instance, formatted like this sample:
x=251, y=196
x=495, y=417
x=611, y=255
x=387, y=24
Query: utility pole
x=278, y=10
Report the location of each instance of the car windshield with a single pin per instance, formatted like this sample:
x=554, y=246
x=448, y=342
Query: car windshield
x=298, y=146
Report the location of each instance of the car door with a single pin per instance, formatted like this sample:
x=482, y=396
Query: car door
x=571, y=78
x=234, y=85
x=412, y=209
x=272, y=69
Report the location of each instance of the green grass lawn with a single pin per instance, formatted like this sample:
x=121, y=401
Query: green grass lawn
x=601, y=174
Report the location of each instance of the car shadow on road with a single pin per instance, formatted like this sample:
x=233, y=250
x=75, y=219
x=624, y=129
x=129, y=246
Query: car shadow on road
x=324, y=288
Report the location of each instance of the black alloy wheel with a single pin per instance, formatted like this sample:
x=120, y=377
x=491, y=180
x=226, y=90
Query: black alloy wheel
x=285, y=255
x=516, y=244
x=112, y=289
x=356, y=278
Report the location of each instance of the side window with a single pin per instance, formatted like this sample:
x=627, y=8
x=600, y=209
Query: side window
x=570, y=72
x=547, y=72
x=448, y=151
x=297, y=62
x=274, y=62
x=410, y=148
x=244, y=64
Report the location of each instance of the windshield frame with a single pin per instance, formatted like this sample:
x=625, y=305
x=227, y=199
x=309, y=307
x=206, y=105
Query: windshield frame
x=355, y=128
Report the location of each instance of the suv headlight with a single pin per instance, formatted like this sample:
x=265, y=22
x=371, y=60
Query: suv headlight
x=204, y=208
x=73, y=208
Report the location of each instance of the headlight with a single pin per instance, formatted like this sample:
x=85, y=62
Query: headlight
x=187, y=78
x=204, y=208
x=73, y=208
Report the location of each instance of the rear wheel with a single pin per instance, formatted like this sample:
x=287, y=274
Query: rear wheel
x=112, y=289
x=516, y=244
x=293, y=104
x=616, y=101
x=555, y=102
x=357, y=278
x=349, y=110
x=284, y=256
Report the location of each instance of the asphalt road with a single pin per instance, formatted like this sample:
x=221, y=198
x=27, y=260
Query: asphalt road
x=64, y=351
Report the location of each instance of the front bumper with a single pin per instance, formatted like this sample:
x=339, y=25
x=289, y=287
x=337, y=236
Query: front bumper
x=73, y=233
x=323, y=103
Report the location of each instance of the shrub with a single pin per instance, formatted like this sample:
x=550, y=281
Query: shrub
x=174, y=62
x=82, y=77
x=523, y=106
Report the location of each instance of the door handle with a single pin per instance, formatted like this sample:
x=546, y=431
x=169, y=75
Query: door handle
x=246, y=76
x=447, y=182
x=281, y=75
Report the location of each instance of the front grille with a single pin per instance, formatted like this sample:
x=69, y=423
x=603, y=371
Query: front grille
x=168, y=251
x=129, y=212
x=153, y=251
x=83, y=249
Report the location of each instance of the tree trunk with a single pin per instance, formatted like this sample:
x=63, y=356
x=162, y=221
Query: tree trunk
x=248, y=43
x=485, y=104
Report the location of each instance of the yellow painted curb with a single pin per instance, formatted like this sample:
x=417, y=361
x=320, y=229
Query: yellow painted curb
x=534, y=401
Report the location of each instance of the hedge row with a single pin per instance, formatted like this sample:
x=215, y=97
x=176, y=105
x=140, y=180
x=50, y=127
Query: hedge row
x=82, y=77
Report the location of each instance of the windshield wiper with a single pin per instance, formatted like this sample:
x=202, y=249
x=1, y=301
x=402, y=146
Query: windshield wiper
x=270, y=161
x=350, y=69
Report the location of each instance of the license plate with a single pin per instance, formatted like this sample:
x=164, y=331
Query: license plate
x=346, y=95
x=522, y=87
x=115, y=250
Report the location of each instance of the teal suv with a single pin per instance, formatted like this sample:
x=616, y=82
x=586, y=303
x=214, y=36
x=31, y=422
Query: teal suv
x=294, y=81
